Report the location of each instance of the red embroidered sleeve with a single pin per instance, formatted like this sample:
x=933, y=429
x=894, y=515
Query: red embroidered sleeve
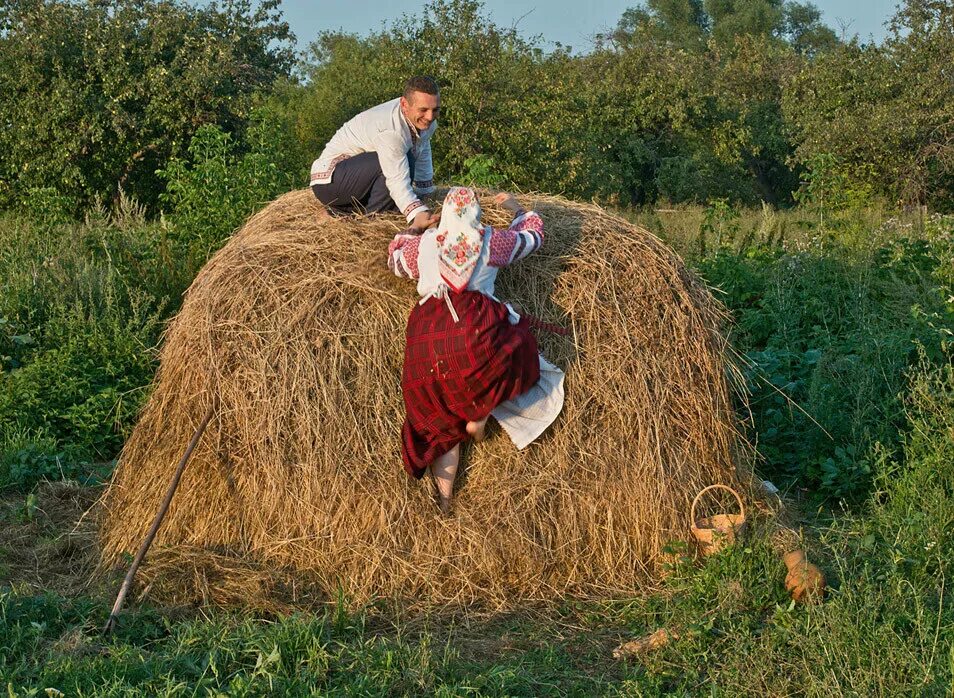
x=402, y=255
x=525, y=235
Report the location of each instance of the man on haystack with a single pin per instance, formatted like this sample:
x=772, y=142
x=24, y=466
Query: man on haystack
x=381, y=159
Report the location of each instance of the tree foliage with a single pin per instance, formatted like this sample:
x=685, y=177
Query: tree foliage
x=96, y=94
x=692, y=24
x=496, y=87
x=885, y=112
x=685, y=100
x=658, y=108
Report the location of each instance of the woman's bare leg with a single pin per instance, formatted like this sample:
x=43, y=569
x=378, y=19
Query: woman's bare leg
x=444, y=471
x=477, y=430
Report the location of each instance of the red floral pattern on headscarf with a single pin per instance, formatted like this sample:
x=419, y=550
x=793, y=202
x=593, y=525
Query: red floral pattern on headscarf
x=460, y=198
x=460, y=237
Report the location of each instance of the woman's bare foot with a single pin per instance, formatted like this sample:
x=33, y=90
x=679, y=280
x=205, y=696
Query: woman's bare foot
x=443, y=471
x=478, y=430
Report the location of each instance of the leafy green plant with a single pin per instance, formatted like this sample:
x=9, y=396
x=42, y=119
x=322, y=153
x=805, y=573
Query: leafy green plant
x=84, y=382
x=480, y=171
x=720, y=225
x=28, y=456
x=212, y=193
x=827, y=334
x=12, y=346
x=82, y=307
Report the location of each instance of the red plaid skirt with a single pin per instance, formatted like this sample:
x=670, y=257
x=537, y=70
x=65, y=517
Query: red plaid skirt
x=456, y=373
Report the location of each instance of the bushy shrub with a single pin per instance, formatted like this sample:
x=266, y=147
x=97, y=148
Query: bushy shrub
x=95, y=96
x=46, y=206
x=82, y=307
x=697, y=178
x=84, y=382
x=481, y=171
x=209, y=195
x=828, y=334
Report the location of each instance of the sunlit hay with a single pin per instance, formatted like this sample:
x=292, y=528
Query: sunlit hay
x=297, y=327
x=185, y=575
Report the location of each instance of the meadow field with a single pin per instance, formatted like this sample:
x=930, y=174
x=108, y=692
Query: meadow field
x=851, y=324
x=807, y=178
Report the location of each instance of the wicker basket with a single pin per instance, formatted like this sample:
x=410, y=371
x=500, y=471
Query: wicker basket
x=716, y=531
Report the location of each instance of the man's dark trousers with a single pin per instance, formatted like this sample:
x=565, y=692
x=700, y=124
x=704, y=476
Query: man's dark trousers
x=358, y=186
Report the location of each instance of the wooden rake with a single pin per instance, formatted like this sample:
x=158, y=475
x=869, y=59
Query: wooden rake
x=157, y=522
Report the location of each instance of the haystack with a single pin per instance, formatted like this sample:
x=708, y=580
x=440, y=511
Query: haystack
x=296, y=327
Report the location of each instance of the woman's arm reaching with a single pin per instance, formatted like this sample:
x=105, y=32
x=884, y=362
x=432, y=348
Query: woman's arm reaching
x=402, y=255
x=525, y=234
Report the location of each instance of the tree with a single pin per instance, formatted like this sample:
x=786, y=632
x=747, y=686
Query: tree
x=747, y=95
x=96, y=95
x=682, y=23
x=690, y=24
x=732, y=57
x=886, y=113
x=499, y=93
x=733, y=18
x=802, y=28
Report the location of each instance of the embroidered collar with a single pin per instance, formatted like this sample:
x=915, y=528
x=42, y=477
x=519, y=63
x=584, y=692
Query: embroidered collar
x=415, y=134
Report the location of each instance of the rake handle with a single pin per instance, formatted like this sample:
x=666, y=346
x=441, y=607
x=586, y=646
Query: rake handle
x=160, y=515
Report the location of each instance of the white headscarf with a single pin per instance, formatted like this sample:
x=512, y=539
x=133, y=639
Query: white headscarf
x=460, y=237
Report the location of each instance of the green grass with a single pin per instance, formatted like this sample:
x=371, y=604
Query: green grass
x=827, y=320
x=846, y=333
x=885, y=629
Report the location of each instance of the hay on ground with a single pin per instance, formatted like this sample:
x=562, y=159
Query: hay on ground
x=297, y=328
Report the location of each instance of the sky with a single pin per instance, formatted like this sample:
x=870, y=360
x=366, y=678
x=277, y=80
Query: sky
x=569, y=22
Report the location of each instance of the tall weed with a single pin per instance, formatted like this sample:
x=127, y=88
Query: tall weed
x=82, y=308
x=827, y=328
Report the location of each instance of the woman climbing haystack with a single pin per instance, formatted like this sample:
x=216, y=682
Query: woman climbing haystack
x=468, y=355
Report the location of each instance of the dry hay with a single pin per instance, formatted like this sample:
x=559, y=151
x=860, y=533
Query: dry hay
x=297, y=328
x=47, y=542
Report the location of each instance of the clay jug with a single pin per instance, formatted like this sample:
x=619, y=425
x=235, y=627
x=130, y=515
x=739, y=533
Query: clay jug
x=805, y=582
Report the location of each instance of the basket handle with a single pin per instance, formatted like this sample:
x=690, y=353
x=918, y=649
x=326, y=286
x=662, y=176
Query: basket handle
x=692, y=509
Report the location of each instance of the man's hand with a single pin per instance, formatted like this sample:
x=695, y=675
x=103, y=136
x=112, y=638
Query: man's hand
x=423, y=221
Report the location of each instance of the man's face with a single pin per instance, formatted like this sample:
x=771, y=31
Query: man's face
x=421, y=109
